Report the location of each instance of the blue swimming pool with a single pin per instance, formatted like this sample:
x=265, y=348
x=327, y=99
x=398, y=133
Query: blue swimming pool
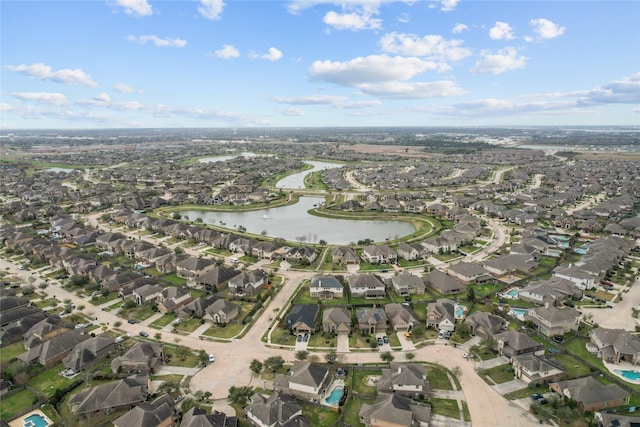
x=459, y=311
x=513, y=293
x=560, y=237
x=35, y=420
x=632, y=375
x=518, y=312
x=335, y=396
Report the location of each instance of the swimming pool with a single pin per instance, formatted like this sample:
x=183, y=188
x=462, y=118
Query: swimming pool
x=632, y=375
x=513, y=292
x=559, y=237
x=336, y=394
x=35, y=420
x=580, y=251
x=518, y=312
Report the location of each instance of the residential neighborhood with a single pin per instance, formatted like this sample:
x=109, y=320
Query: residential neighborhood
x=150, y=285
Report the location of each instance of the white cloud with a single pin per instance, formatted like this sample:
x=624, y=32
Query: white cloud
x=625, y=91
x=413, y=90
x=352, y=21
x=137, y=8
x=297, y=112
x=501, y=31
x=371, y=69
x=496, y=63
x=334, y=101
x=159, y=42
x=123, y=88
x=44, y=72
x=103, y=97
x=273, y=55
x=51, y=98
x=458, y=28
x=211, y=9
x=546, y=29
x=448, y=5
x=227, y=51
x=5, y=107
x=432, y=46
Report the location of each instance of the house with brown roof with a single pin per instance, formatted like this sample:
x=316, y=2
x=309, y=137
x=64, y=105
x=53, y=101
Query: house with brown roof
x=110, y=397
x=142, y=358
x=157, y=413
x=217, y=277
x=88, y=352
x=221, y=311
x=550, y=320
x=53, y=350
x=401, y=316
x=372, y=320
x=305, y=380
x=336, y=320
x=443, y=283
x=277, y=410
x=591, y=394
x=485, y=324
x=197, y=417
x=344, y=255
x=406, y=283
x=512, y=343
x=441, y=315
x=393, y=410
x=536, y=369
x=404, y=379
x=616, y=345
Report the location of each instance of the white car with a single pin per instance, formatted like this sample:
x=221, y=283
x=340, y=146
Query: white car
x=212, y=358
x=468, y=356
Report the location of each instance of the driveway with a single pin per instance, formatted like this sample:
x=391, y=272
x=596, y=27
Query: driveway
x=343, y=343
x=407, y=344
x=510, y=386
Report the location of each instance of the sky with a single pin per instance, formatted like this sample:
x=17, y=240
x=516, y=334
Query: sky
x=314, y=63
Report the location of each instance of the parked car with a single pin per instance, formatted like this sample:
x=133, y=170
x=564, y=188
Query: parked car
x=143, y=334
x=385, y=339
x=536, y=396
x=542, y=401
x=305, y=338
x=468, y=356
x=558, y=338
x=441, y=335
x=212, y=358
x=380, y=342
x=131, y=321
x=178, y=398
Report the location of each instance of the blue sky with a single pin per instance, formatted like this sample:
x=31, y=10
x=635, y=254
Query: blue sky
x=213, y=63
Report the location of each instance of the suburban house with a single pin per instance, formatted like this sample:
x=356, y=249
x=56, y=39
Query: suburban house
x=221, y=311
x=552, y=291
x=110, y=397
x=190, y=267
x=536, y=369
x=468, y=273
x=512, y=343
x=277, y=410
x=607, y=419
x=146, y=294
x=441, y=315
x=591, y=394
x=366, y=285
x=616, y=345
x=336, y=320
x=581, y=278
x=198, y=417
x=142, y=358
x=406, y=283
x=248, y=282
x=401, y=316
x=411, y=252
x=405, y=379
x=196, y=308
x=216, y=277
x=52, y=351
x=89, y=351
x=326, y=287
x=172, y=298
x=300, y=254
x=305, y=380
x=443, y=283
x=344, y=255
x=379, y=254
x=485, y=324
x=372, y=320
x=550, y=320
x=393, y=410
x=302, y=318
x=158, y=413
x=510, y=264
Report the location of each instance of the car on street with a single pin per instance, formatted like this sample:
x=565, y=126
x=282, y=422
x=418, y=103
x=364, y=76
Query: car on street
x=468, y=356
x=178, y=398
x=212, y=358
x=131, y=321
x=143, y=334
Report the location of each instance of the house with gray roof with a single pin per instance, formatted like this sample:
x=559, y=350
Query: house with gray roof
x=110, y=397
x=336, y=320
x=142, y=358
x=411, y=251
x=221, y=311
x=393, y=410
x=552, y=291
x=616, y=345
x=468, y=273
x=537, y=369
x=277, y=410
x=217, y=277
x=485, y=324
x=196, y=308
x=305, y=380
x=406, y=283
x=52, y=351
x=401, y=316
x=405, y=379
x=366, y=285
x=550, y=320
x=591, y=394
x=197, y=417
x=443, y=283
x=372, y=320
x=157, y=413
x=88, y=352
x=512, y=343
x=191, y=267
x=326, y=287
x=379, y=254
x=344, y=255
x=607, y=419
x=247, y=282
x=441, y=315
x=302, y=318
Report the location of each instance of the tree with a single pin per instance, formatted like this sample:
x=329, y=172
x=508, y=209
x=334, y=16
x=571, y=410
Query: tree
x=488, y=344
x=240, y=395
x=410, y=356
x=117, y=323
x=331, y=356
x=255, y=366
x=169, y=386
x=274, y=363
x=158, y=336
x=387, y=357
x=182, y=352
x=302, y=354
x=471, y=295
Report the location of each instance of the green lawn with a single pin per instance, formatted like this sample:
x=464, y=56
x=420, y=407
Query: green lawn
x=188, y=325
x=12, y=351
x=317, y=340
x=228, y=331
x=282, y=336
x=15, y=404
x=351, y=411
x=163, y=321
x=319, y=415
x=101, y=299
x=500, y=374
x=573, y=366
x=359, y=378
x=191, y=361
x=438, y=378
x=48, y=381
x=445, y=407
x=174, y=279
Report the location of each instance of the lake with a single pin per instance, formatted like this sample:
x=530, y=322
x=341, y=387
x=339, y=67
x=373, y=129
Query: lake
x=293, y=223
x=297, y=179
